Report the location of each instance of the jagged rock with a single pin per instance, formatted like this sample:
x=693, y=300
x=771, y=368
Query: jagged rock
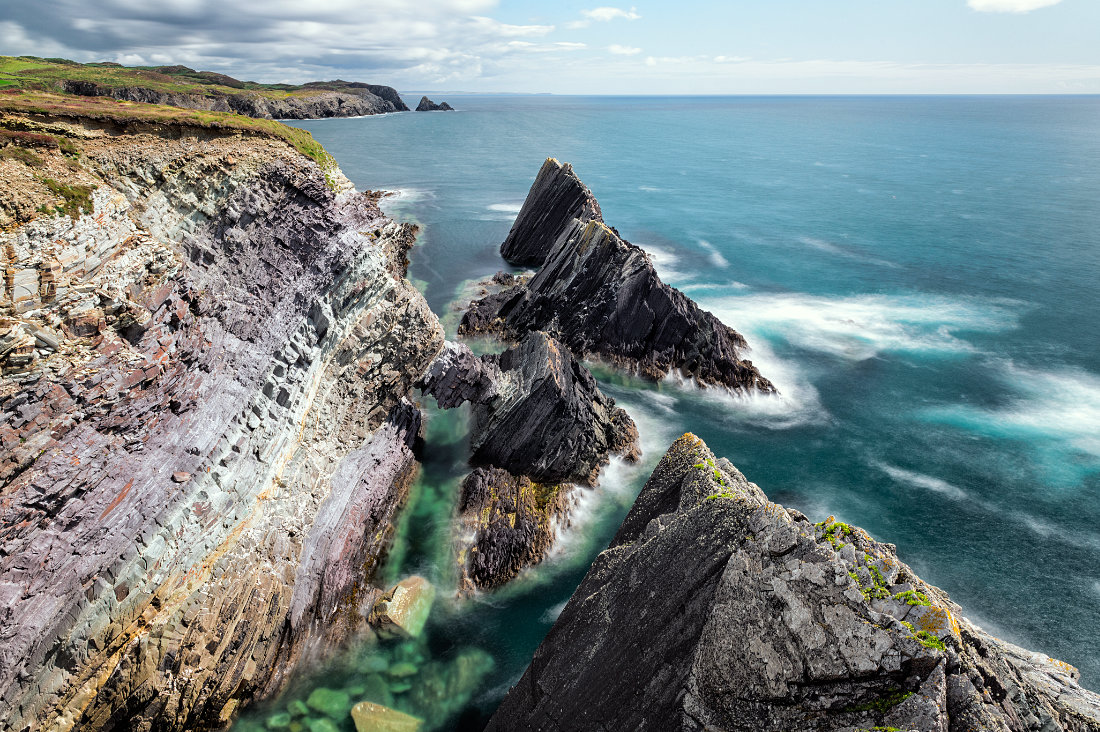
x=457, y=376
x=601, y=296
x=714, y=608
x=371, y=717
x=512, y=521
x=427, y=105
x=404, y=610
x=549, y=419
x=352, y=100
x=229, y=311
x=556, y=198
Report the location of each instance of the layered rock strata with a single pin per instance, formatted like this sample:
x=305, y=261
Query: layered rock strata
x=600, y=295
x=427, y=105
x=353, y=100
x=716, y=609
x=541, y=425
x=203, y=453
x=556, y=198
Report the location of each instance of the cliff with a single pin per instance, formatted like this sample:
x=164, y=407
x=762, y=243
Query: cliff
x=180, y=86
x=600, y=295
x=714, y=608
x=207, y=347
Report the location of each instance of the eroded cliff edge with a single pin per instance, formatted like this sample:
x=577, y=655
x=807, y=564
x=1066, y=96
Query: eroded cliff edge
x=715, y=609
x=208, y=344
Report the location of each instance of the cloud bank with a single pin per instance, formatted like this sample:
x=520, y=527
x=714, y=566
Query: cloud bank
x=1010, y=6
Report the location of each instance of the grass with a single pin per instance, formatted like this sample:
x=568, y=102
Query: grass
x=75, y=199
x=42, y=74
x=21, y=154
x=106, y=109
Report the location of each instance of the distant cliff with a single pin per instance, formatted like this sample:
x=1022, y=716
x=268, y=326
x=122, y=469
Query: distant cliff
x=715, y=609
x=180, y=86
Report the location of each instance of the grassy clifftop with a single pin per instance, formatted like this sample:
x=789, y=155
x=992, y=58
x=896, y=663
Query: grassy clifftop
x=48, y=74
x=18, y=102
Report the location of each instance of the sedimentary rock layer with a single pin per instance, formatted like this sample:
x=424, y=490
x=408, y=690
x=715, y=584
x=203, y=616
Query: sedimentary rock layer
x=204, y=450
x=600, y=296
x=354, y=100
x=540, y=426
x=556, y=198
x=714, y=608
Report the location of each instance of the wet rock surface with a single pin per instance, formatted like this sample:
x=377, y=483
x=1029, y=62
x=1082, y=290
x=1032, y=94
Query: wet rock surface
x=512, y=521
x=202, y=460
x=714, y=608
x=541, y=426
x=600, y=295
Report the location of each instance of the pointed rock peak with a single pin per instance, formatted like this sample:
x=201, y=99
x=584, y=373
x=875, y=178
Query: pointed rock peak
x=556, y=198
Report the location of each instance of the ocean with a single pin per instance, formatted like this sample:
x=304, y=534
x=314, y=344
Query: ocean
x=920, y=277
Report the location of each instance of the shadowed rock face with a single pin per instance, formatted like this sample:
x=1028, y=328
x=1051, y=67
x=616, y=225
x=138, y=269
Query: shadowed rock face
x=716, y=609
x=427, y=105
x=357, y=100
x=541, y=424
x=200, y=469
x=556, y=198
x=600, y=296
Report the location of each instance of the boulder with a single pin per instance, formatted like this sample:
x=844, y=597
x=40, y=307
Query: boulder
x=404, y=610
x=371, y=717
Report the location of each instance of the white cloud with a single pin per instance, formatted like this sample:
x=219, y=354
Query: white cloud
x=1010, y=6
x=603, y=15
x=623, y=50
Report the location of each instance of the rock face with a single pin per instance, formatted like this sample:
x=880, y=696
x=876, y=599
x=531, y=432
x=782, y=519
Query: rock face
x=354, y=100
x=203, y=451
x=601, y=296
x=540, y=425
x=556, y=198
x=549, y=420
x=427, y=105
x=512, y=521
x=716, y=609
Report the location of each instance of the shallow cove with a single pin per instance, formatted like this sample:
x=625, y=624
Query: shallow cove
x=916, y=274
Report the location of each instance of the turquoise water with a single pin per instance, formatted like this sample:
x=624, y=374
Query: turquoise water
x=918, y=275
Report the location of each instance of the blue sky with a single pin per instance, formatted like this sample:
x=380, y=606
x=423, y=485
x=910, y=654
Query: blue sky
x=687, y=47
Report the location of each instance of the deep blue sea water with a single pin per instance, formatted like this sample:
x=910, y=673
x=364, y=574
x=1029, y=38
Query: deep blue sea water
x=920, y=276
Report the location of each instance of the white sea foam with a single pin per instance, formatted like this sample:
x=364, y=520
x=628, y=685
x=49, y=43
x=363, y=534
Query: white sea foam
x=1055, y=414
x=863, y=326
x=713, y=254
x=512, y=208
x=839, y=251
x=920, y=480
x=553, y=612
x=1096, y=588
x=649, y=189
x=664, y=261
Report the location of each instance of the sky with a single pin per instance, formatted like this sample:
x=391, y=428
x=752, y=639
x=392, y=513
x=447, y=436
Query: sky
x=577, y=47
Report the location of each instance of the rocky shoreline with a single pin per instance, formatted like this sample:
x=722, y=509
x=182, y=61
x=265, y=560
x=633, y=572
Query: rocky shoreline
x=210, y=361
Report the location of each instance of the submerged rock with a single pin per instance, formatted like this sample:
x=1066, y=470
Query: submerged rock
x=427, y=105
x=600, y=295
x=714, y=608
x=371, y=717
x=556, y=198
